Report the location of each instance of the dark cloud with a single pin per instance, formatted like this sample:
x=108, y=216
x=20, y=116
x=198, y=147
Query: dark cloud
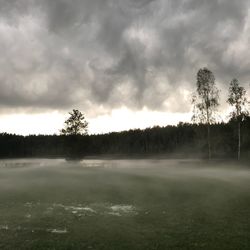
x=58, y=54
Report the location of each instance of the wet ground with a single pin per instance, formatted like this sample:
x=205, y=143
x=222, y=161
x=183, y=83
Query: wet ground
x=124, y=204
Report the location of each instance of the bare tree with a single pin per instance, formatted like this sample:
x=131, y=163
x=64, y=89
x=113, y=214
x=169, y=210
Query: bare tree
x=75, y=124
x=237, y=99
x=205, y=101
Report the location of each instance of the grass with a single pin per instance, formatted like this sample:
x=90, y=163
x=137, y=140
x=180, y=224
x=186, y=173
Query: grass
x=137, y=204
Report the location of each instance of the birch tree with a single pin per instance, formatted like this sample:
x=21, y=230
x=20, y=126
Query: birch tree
x=205, y=102
x=237, y=99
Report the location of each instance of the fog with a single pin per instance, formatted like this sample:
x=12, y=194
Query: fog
x=94, y=201
x=179, y=168
x=25, y=174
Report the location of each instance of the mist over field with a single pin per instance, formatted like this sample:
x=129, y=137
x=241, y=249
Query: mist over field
x=124, y=125
x=124, y=204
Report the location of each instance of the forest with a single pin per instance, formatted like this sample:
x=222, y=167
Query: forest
x=184, y=140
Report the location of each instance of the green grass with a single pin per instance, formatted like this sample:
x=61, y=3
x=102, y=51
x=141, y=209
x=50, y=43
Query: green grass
x=137, y=204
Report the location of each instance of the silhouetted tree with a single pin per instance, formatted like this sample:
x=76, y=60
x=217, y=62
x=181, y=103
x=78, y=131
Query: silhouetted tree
x=205, y=101
x=75, y=124
x=237, y=99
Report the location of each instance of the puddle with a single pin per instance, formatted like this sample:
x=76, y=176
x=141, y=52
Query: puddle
x=4, y=227
x=122, y=208
x=119, y=210
x=74, y=209
x=94, y=209
x=57, y=231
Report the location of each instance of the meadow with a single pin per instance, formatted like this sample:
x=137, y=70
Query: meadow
x=124, y=204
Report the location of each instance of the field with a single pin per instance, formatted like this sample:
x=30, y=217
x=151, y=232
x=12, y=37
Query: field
x=124, y=204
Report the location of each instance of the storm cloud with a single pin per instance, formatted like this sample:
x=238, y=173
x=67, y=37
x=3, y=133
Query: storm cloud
x=104, y=54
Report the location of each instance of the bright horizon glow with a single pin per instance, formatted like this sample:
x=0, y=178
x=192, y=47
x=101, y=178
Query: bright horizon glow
x=125, y=119
x=118, y=120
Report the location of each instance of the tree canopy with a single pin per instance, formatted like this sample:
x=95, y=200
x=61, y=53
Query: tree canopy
x=75, y=124
x=206, y=98
x=238, y=100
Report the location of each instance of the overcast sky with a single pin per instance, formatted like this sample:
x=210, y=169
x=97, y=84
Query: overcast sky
x=123, y=63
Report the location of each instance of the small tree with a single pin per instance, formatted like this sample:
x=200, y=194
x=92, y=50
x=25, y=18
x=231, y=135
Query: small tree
x=75, y=124
x=237, y=99
x=205, y=101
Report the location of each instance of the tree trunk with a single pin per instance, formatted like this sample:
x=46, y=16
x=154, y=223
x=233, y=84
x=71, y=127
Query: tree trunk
x=239, y=141
x=208, y=141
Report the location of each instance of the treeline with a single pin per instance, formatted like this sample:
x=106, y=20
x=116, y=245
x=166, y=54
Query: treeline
x=184, y=140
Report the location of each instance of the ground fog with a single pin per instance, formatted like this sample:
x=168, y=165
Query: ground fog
x=124, y=204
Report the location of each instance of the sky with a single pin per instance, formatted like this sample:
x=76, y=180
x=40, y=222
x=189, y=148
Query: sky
x=124, y=63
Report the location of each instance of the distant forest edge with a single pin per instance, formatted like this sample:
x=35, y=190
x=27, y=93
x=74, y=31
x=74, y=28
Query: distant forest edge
x=183, y=140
